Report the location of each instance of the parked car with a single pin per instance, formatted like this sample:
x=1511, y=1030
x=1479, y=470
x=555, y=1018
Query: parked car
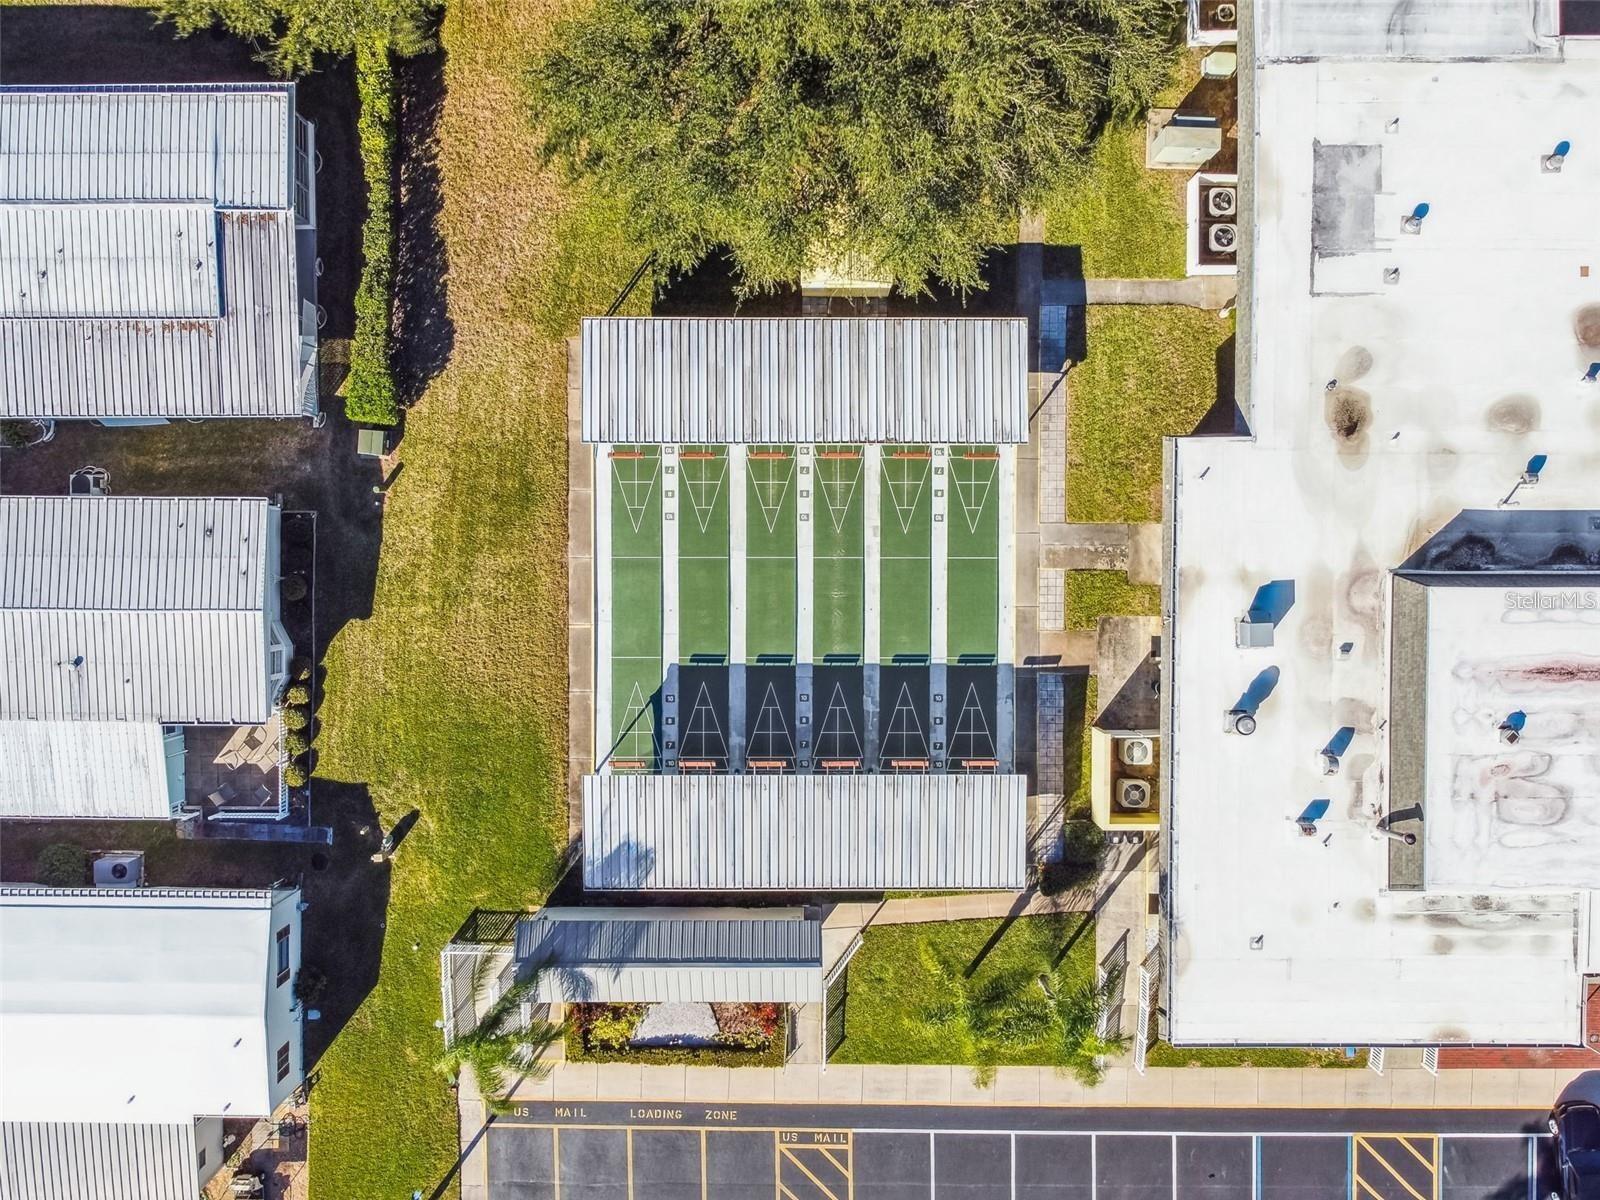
x=1575, y=1126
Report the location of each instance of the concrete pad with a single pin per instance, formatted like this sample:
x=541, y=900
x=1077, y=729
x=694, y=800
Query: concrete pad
x=1153, y=1089
x=1193, y=1085
x=884, y=1084
x=797, y=1085
x=1494, y=1089
x=1536, y=1088
x=1144, y=554
x=1058, y=1087
x=841, y=1083
x=928, y=1084
x=1112, y=1089
x=753, y=1085
x=1411, y=1086
x=1279, y=1087
x=1237, y=1087
x=1452, y=1089
x=575, y=1081
x=1323, y=1088
x=705, y=1083
x=1366, y=1089
x=661, y=1083
x=964, y=1088
x=617, y=1081
x=1017, y=1085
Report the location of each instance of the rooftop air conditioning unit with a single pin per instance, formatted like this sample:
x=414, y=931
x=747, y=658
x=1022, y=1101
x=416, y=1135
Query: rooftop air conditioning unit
x=119, y=870
x=1222, y=237
x=1221, y=202
x=1226, y=14
x=1135, y=752
x=1240, y=721
x=1133, y=793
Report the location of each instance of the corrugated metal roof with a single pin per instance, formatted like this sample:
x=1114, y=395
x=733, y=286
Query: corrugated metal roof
x=229, y=145
x=135, y=608
x=107, y=770
x=109, y=260
x=804, y=379
x=673, y=955
x=244, y=363
x=804, y=832
x=74, y=1160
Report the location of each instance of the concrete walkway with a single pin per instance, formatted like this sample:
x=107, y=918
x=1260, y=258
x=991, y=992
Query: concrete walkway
x=1199, y=291
x=1316, y=1087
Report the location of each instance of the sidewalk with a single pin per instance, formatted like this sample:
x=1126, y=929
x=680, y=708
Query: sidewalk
x=1314, y=1087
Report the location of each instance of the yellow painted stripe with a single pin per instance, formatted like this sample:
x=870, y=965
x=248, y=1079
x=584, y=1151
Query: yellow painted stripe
x=828, y=1154
x=1404, y=1140
x=806, y=1171
x=1388, y=1166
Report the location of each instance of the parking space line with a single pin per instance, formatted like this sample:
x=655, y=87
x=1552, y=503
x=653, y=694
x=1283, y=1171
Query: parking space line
x=1094, y=1167
x=703, y=1185
x=555, y=1160
x=1013, y=1166
x=1172, y=1144
x=1533, y=1184
x=1255, y=1166
x=933, y=1170
x=630, y=1162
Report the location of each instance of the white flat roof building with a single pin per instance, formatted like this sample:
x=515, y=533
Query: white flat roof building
x=147, y=1005
x=1396, y=380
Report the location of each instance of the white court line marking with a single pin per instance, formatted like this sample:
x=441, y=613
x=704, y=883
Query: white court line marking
x=1013, y=1167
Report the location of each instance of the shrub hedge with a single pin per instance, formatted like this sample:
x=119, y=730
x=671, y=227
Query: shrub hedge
x=369, y=392
x=62, y=864
x=584, y=1048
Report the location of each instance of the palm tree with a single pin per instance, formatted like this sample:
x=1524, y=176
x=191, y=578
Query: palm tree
x=500, y=1049
x=998, y=1015
x=1081, y=1013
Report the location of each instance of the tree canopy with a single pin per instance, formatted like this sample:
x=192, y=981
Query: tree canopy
x=906, y=134
x=296, y=31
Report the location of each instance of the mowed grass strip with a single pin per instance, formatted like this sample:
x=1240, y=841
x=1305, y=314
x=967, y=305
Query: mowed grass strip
x=973, y=571
x=704, y=574
x=1095, y=594
x=1150, y=373
x=450, y=699
x=838, y=551
x=900, y=979
x=636, y=671
x=905, y=552
x=771, y=507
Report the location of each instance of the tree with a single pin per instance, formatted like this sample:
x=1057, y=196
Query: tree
x=1081, y=1013
x=1001, y=1012
x=906, y=134
x=296, y=31
x=499, y=1048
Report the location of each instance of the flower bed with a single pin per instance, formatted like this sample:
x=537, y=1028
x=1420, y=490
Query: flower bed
x=749, y=1035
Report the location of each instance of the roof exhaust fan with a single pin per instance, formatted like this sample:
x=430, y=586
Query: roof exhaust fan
x=1221, y=202
x=1241, y=721
x=1221, y=238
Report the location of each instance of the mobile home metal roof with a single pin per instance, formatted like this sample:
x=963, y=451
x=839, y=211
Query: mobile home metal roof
x=149, y=256
x=106, y=770
x=676, y=955
x=81, y=1160
x=804, y=379
x=136, y=608
x=229, y=145
x=804, y=832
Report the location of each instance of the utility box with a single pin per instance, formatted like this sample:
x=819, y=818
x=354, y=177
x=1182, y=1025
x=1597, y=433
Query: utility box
x=1176, y=141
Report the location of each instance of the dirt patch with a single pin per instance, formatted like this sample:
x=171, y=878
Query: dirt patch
x=1513, y=414
x=1354, y=363
x=1579, y=670
x=1348, y=411
x=1586, y=326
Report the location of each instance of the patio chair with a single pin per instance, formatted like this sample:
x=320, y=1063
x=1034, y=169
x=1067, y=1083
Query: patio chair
x=261, y=796
x=234, y=753
x=223, y=796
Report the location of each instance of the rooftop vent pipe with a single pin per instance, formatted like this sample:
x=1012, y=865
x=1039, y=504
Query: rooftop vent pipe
x=1551, y=163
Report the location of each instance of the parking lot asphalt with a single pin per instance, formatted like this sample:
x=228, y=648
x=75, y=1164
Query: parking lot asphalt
x=633, y=1151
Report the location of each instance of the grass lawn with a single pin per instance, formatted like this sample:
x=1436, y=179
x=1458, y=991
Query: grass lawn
x=1150, y=372
x=452, y=698
x=1128, y=221
x=1163, y=1054
x=894, y=983
x=1095, y=594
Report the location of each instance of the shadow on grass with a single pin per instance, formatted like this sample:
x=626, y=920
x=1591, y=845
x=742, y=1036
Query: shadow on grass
x=424, y=332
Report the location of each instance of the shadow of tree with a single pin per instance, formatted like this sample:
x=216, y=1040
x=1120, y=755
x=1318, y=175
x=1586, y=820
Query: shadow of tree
x=424, y=332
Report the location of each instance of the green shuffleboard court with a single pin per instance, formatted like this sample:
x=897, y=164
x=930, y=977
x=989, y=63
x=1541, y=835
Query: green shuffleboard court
x=635, y=601
x=838, y=549
x=905, y=560
x=972, y=522
x=704, y=508
x=771, y=489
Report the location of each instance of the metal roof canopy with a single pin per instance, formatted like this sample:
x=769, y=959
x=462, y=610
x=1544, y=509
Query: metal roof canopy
x=731, y=380
x=673, y=955
x=804, y=832
x=84, y=1160
x=137, y=608
x=225, y=144
x=105, y=770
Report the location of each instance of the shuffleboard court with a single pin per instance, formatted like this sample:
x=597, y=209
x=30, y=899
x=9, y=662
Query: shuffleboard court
x=905, y=559
x=771, y=487
x=704, y=511
x=973, y=577
x=702, y=730
x=773, y=738
x=839, y=719
x=635, y=605
x=839, y=547
x=907, y=739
